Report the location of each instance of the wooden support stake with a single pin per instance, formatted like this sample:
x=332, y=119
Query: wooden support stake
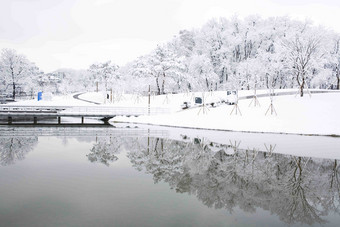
x=204, y=108
x=271, y=108
x=236, y=108
x=256, y=101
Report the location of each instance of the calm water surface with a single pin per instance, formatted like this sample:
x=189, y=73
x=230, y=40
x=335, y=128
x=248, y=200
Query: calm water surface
x=138, y=177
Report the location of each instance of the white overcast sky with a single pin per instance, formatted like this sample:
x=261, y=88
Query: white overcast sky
x=76, y=33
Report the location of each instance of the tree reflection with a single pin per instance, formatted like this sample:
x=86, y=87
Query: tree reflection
x=105, y=150
x=15, y=148
x=298, y=207
x=298, y=190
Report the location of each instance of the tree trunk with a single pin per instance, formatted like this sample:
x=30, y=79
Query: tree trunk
x=105, y=85
x=163, y=83
x=334, y=174
x=13, y=90
x=158, y=88
x=301, y=89
x=338, y=82
x=13, y=81
x=302, y=83
x=267, y=80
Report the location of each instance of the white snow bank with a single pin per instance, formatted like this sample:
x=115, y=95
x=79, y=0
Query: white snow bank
x=316, y=115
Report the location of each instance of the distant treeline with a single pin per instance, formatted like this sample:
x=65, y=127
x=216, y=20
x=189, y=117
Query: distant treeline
x=224, y=54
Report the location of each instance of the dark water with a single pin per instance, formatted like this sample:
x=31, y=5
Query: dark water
x=130, y=177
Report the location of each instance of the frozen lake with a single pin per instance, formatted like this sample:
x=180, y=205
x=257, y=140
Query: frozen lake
x=156, y=176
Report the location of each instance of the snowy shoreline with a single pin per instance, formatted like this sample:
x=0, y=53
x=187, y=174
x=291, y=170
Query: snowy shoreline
x=316, y=115
x=113, y=122
x=287, y=144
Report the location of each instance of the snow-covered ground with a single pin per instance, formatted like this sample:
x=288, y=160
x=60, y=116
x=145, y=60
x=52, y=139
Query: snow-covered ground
x=317, y=115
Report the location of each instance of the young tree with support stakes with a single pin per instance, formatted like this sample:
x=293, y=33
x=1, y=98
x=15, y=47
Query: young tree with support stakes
x=253, y=68
x=255, y=100
x=271, y=106
x=236, y=84
x=204, y=108
x=271, y=93
x=236, y=108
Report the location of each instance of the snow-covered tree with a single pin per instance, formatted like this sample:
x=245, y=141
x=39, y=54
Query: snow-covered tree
x=202, y=75
x=185, y=43
x=214, y=41
x=334, y=61
x=164, y=66
x=303, y=55
x=104, y=73
x=142, y=73
x=16, y=68
x=277, y=52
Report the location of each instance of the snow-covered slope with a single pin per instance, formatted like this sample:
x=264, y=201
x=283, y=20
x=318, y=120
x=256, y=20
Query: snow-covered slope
x=318, y=114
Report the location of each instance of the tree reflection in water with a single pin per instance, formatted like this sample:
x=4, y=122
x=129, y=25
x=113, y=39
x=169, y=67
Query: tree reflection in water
x=104, y=150
x=15, y=148
x=299, y=190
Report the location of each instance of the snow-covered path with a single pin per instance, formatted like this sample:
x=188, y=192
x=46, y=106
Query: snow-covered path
x=76, y=96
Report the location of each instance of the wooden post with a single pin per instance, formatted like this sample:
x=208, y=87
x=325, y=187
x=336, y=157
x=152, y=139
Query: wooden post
x=82, y=120
x=149, y=101
x=111, y=96
x=35, y=120
x=10, y=120
x=97, y=86
x=59, y=120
